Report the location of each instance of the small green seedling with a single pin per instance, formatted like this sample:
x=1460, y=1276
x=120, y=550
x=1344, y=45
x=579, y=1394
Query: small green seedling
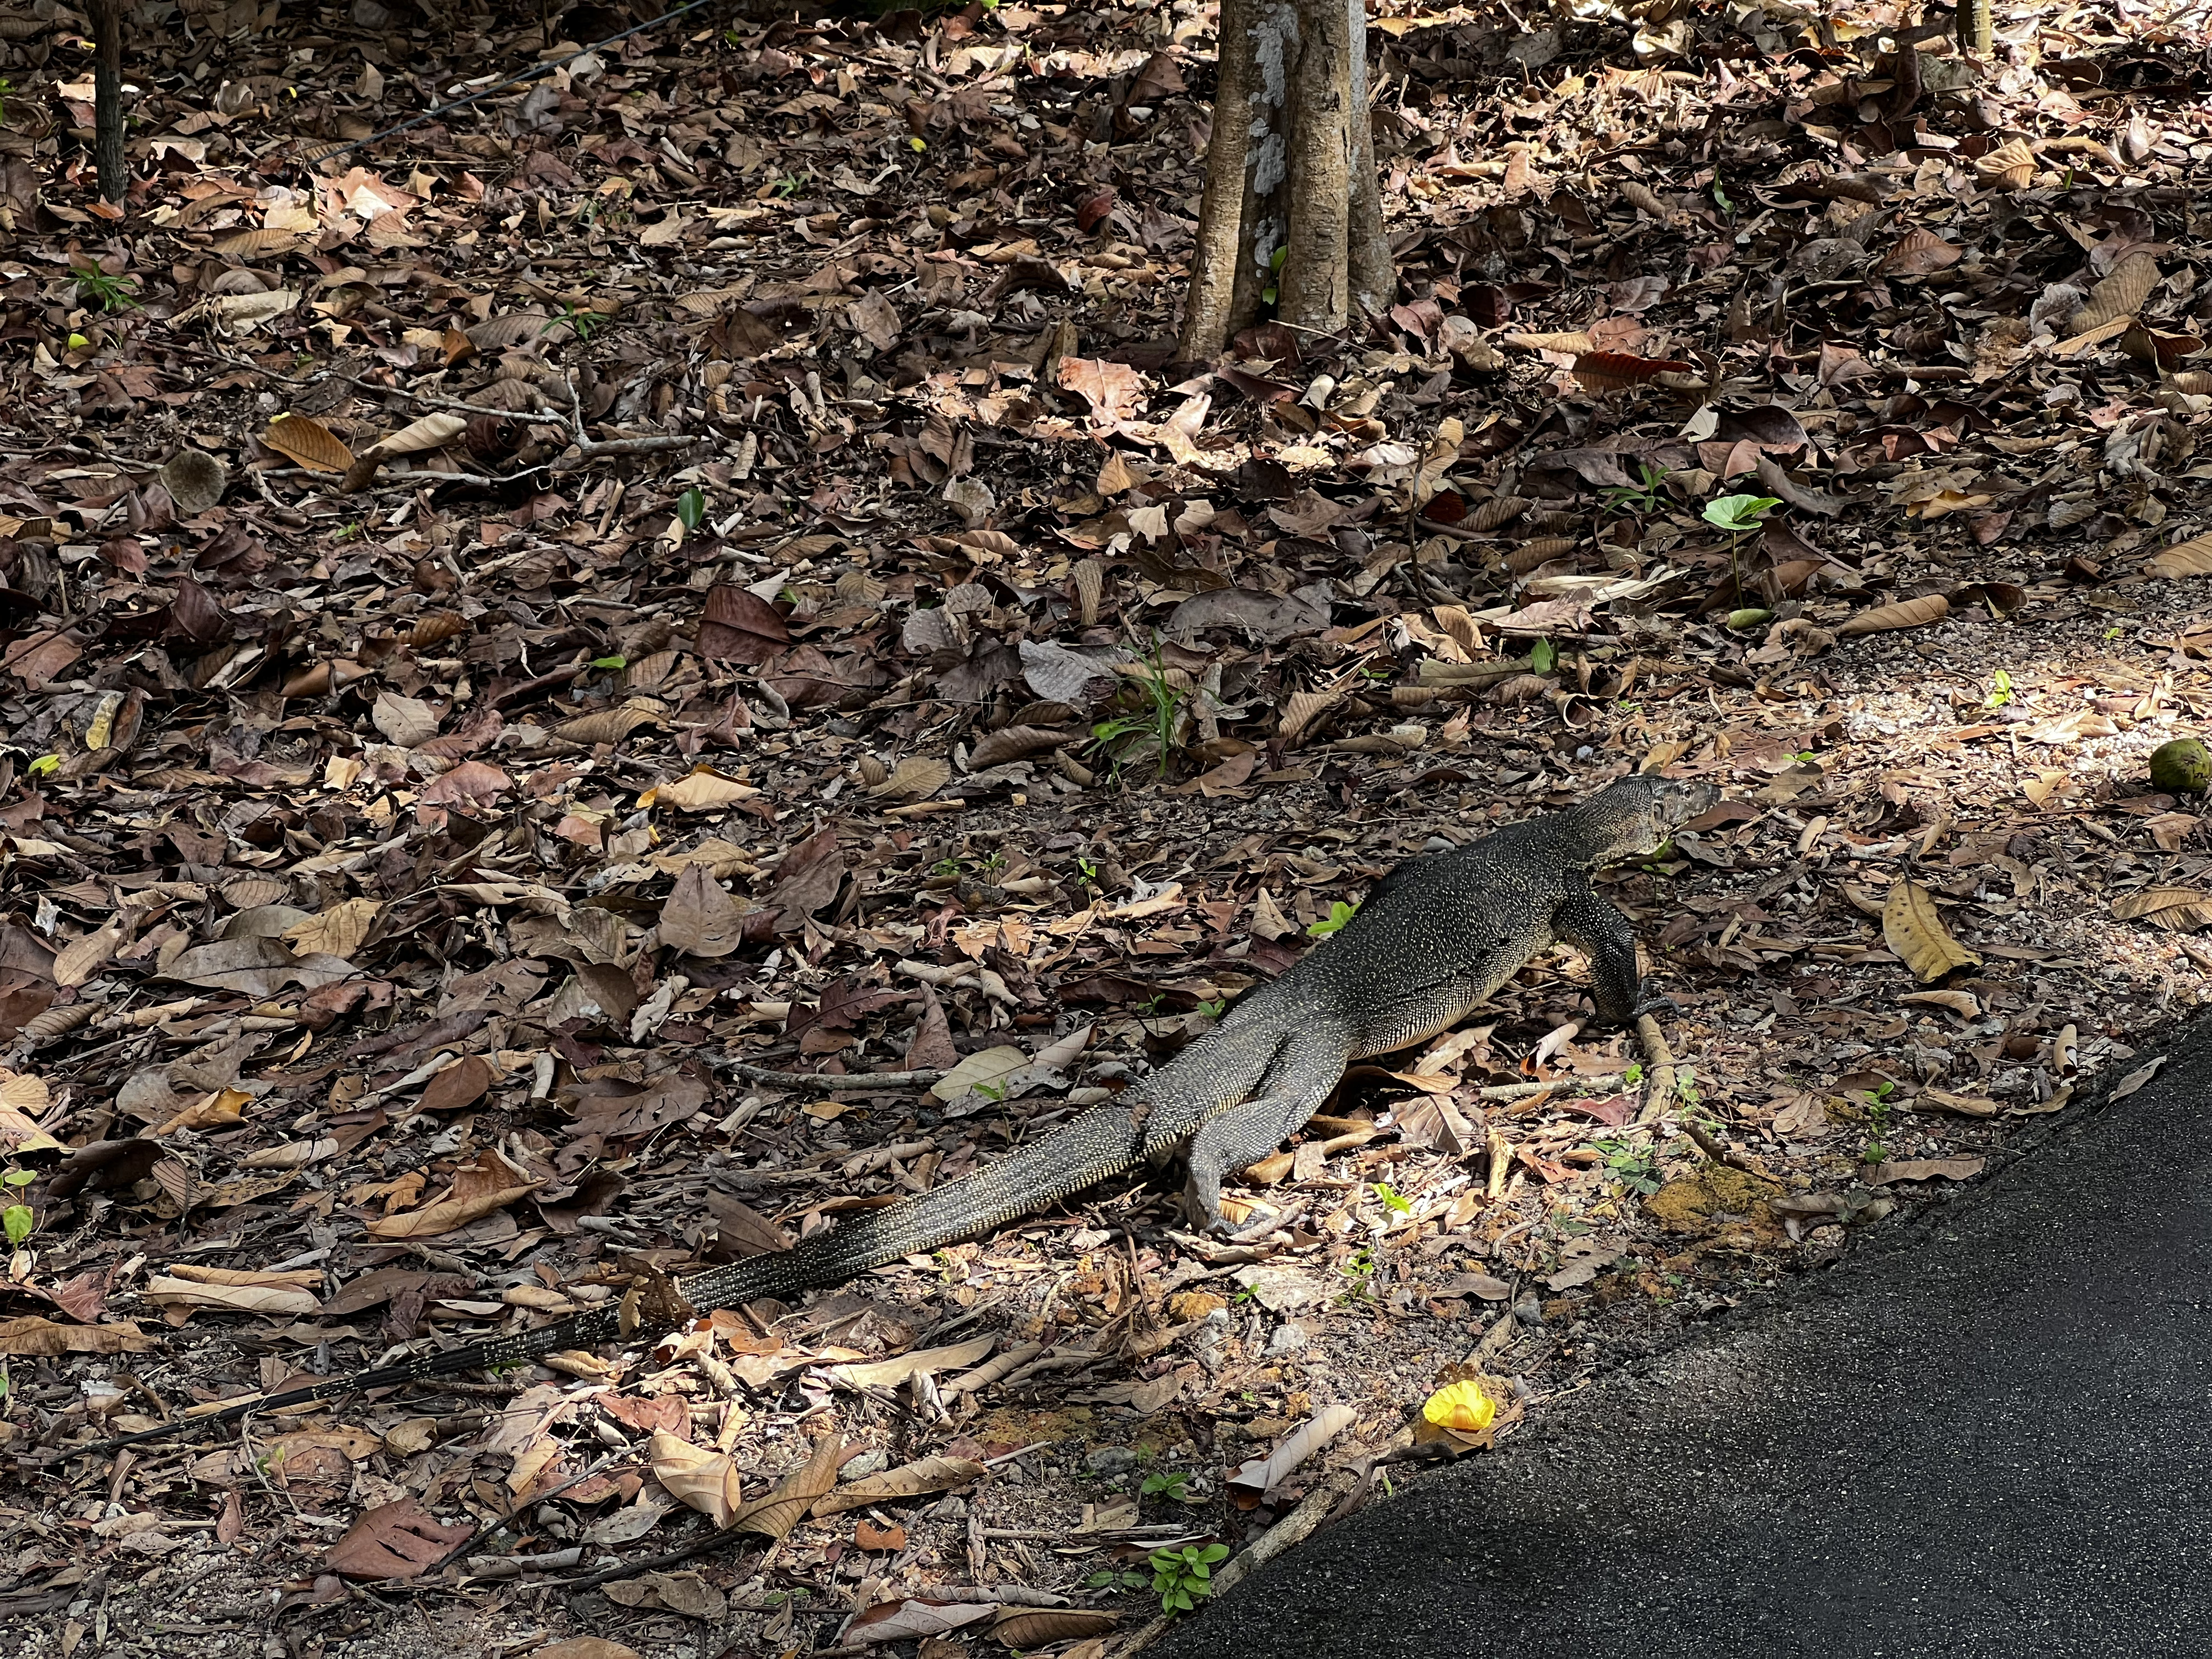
x=2000, y=690
x=1543, y=657
x=1183, y=1578
x=1174, y=1484
x=17, y=1218
x=1631, y=1166
x=1738, y=515
x=612, y=664
x=1877, y=1110
x=1338, y=913
x=1646, y=497
x=1393, y=1201
x=113, y=292
x=1156, y=722
x=691, y=508
x=1109, y=1579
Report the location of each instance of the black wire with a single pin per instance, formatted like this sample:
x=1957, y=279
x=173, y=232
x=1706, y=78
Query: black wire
x=537, y=74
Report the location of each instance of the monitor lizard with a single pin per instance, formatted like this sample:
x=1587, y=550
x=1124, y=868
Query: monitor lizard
x=1434, y=938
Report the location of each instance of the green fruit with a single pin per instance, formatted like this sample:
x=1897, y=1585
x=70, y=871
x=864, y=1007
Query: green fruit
x=1742, y=620
x=2181, y=768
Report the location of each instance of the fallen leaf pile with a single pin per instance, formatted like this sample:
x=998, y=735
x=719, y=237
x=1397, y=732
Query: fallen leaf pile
x=702, y=567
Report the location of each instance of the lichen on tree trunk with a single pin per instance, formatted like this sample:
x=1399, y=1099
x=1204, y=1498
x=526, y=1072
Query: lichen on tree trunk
x=1292, y=213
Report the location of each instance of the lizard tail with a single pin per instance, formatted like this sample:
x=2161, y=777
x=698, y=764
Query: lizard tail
x=1102, y=1142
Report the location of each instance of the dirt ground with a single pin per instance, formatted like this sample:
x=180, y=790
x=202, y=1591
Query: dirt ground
x=706, y=559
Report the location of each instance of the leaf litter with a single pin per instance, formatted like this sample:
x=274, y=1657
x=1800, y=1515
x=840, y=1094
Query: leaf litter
x=704, y=562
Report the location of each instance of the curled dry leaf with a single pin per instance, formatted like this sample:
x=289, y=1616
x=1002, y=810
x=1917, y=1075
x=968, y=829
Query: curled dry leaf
x=309, y=443
x=915, y=778
x=490, y=1184
x=607, y=725
x=703, y=791
x=2191, y=558
x=1912, y=927
x=1925, y=1169
x=915, y=1480
x=32, y=1337
x=1904, y=613
x=889, y=1373
x=2177, y=909
x=775, y=1515
x=705, y=1481
x=1259, y=1474
x=431, y=432
x=1022, y=1628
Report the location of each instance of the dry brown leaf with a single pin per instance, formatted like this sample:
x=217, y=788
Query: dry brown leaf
x=1300, y=711
x=890, y=1373
x=431, y=432
x=395, y=1541
x=927, y=1474
x=81, y=958
x=490, y=1184
x=775, y=1515
x=703, y=791
x=309, y=443
x=705, y=1481
x=607, y=725
x=1258, y=1474
x=2010, y=166
x=340, y=931
x=2177, y=909
x=32, y=1337
x=1912, y=928
x=2120, y=295
x=2191, y=558
x=700, y=917
x=1904, y=613
x=1925, y=1169
x=174, y=1292
x=1919, y=252
x=916, y=778
x=1022, y=1628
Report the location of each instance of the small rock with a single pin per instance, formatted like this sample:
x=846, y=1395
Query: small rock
x=1529, y=1310
x=952, y=1509
x=1110, y=1460
x=1287, y=1338
x=1194, y=1304
x=867, y=1463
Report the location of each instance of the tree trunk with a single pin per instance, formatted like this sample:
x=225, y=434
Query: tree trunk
x=1976, y=31
x=1292, y=216
x=107, y=99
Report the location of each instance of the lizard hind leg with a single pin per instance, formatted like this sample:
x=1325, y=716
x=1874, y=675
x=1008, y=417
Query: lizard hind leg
x=1301, y=1079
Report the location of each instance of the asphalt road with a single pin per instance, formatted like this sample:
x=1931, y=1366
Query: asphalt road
x=1992, y=1436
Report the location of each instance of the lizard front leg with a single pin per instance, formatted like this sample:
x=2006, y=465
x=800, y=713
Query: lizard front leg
x=1602, y=933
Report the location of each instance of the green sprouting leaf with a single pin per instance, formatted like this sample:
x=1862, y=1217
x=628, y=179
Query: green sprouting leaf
x=691, y=507
x=1738, y=513
x=614, y=664
x=1543, y=656
x=18, y=1221
x=1338, y=913
x=44, y=766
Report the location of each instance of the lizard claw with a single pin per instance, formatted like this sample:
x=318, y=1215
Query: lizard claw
x=1652, y=1006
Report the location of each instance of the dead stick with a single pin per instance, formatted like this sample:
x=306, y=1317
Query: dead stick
x=1659, y=1068
x=1293, y=1528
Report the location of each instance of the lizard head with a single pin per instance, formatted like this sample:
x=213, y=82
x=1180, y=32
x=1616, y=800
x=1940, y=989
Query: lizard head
x=1640, y=814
